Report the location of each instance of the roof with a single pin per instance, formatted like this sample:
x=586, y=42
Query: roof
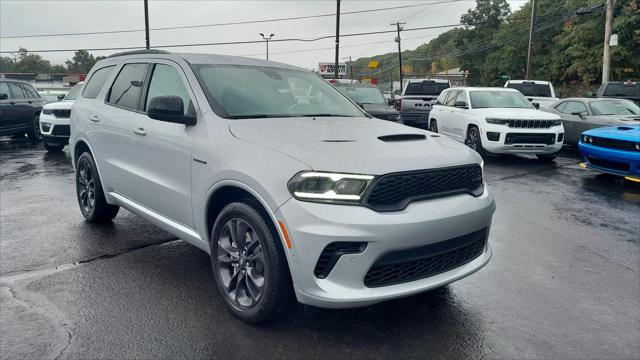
x=484, y=88
x=592, y=99
x=421, y=80
x=195, y=58
x=539, y=82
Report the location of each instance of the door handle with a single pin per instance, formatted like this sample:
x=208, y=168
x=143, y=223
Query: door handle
x=94, y=118
x=139, y=131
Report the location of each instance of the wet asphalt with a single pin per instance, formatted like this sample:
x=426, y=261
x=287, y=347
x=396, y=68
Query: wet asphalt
x=564, y=280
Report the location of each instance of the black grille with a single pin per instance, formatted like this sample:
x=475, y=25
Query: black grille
x=517, y=138
x=395, y=191
x=425, y=261
x=61, y=113
x=330, y=255
x=61, y=130
x=613, y=143
x=531, y=124
x=609, y=164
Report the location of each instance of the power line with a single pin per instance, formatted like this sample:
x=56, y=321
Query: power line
x=231, y=23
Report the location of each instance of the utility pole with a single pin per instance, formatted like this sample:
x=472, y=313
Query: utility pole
x=146, y=22
x=266, y=39
x=350, y=66
x=606, y=55
x=399, y=28
x=532, y=25
x=335, y=74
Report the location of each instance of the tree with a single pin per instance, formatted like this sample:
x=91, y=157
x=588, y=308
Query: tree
x=81, y=62
x=31, y=63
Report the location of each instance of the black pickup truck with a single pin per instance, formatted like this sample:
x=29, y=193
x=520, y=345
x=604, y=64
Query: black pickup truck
x=20, y=107
x=629, y=90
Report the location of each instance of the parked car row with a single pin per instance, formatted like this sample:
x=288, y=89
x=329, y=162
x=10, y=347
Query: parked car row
x=20, y=107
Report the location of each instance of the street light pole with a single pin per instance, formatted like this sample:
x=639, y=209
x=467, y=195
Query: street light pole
x=335, y=74
x=266, y=39
x=146, y=23
x=399, y=28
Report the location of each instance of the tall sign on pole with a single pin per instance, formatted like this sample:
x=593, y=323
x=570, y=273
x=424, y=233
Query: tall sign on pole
x=606, y=54
x=146, y=23
x=335, y=75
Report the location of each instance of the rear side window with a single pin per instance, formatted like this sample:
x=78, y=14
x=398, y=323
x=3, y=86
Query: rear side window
x=126, y=89
x=30, y=91
x=4, y=89
x=532, y=89
x=451, y=99
x=16, y=91
x=441, y=99
x=96, y=82
x=425, y=88
x=621, y=89
x=167, y=82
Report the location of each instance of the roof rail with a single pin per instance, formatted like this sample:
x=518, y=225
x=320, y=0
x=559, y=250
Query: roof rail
x=139, y=52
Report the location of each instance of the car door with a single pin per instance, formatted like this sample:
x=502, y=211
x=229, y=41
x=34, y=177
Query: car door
x=447, y=112
x=575, y=124
x=22, y=114
x=162, y=150
x=7, y=107
x=458, y=116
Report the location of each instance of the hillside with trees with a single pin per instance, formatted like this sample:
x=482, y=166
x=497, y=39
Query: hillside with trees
x=26, y=62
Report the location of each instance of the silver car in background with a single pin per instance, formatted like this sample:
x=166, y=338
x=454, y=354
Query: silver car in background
x=287, y=184
x=581, y=114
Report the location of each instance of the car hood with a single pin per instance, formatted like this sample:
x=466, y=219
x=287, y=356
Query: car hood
x=508, y=113
x=623, y=132
x=60, y=105
x=352, y=145
x=379, y=109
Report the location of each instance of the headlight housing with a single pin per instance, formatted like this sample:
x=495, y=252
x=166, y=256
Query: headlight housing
x=586, y=139
x=497, y=121
x=47, y=111
x=556, y=123
x=329, y=187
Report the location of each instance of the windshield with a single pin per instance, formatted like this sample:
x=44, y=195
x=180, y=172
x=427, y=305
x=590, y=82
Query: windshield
x=615, y=107
x=621, y=89
x=73, y=94
x=498, y=99
x=529, y=89
x=363, y=94
x=244, y=92
x=425, y=88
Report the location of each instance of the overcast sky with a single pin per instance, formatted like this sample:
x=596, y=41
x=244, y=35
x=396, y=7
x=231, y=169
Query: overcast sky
x=23, y=17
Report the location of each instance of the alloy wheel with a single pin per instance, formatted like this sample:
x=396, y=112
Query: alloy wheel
x=86, y=187
x=472, y=140
x=241, y=262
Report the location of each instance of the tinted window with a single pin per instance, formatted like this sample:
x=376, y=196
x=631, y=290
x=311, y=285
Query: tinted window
x=499, y=99
x=573, y=106
x=4, y=89
x=166, y=81
x=461, y=97
x=621, y=89
x=561, y=106
x=442, y=98
x=30, y=91
x=127, y=87
x=362, y=94
x=451, y=99
x=531, y=89
x=425, y=88
x=16, y=91
x=96, y=82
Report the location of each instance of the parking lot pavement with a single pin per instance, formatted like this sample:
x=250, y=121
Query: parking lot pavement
x=564, y=281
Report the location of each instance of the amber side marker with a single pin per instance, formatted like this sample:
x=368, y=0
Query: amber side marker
x=286, y=234
x=632, y=179
x=583, y=165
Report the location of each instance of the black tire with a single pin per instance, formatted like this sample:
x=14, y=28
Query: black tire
x=547, y=158
x=433, y=126
x=93, y=205
x=262, y=255
x=474, y=141
x=51, y=147
x=34, y=132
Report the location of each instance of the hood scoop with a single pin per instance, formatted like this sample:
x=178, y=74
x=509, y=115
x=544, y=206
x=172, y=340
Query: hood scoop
x=402, y=137
x=337, y=141
x=624, y=128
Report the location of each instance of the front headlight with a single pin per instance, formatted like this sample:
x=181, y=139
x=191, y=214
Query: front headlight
x=497, y=121
x=329, y=187
x=556, y=123
x=586, y=139
x=47, y=111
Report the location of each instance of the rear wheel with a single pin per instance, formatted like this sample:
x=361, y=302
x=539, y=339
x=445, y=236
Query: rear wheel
x=249, y=264
x=474, y=141
x=433, y=126
x=93, y=205
x=52, y=147
x=546, y=158
x=34, y=133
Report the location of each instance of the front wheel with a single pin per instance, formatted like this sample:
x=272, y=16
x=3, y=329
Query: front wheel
x=433, y=126
x=93, y=205
x=474, y=141
x=249, y=264
x=34, y=133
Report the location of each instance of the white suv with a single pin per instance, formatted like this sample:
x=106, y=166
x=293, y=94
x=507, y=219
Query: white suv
x=497, y=121
x=54, y=120
x=289, y=194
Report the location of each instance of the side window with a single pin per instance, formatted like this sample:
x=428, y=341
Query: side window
x=574, y=106
x=166, y=81
x=442, y=97
x=96, y=82
x=451, y=99
x=560, y=107
x=4, y=89
x=462, y=96
x=16, y=91
x=126, y=89
x=31, y=92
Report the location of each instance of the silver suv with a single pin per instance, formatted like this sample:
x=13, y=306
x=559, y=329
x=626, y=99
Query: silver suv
x=285, y=182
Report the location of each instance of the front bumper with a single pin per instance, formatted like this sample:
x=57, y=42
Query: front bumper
x=611, y=161
x=55, y=129
x=313, y=226
x=519, y=146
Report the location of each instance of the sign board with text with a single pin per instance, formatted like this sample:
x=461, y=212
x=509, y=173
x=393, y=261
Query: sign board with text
x=325, y=68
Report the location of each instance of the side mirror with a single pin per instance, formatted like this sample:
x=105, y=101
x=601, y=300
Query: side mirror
x=536, y=105
x=579, y=113
x=169, y=109
x=461, y=104
x=4, y=96
x=61, y=97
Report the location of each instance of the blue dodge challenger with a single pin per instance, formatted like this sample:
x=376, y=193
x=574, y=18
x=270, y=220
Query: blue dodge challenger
x=614, y=150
